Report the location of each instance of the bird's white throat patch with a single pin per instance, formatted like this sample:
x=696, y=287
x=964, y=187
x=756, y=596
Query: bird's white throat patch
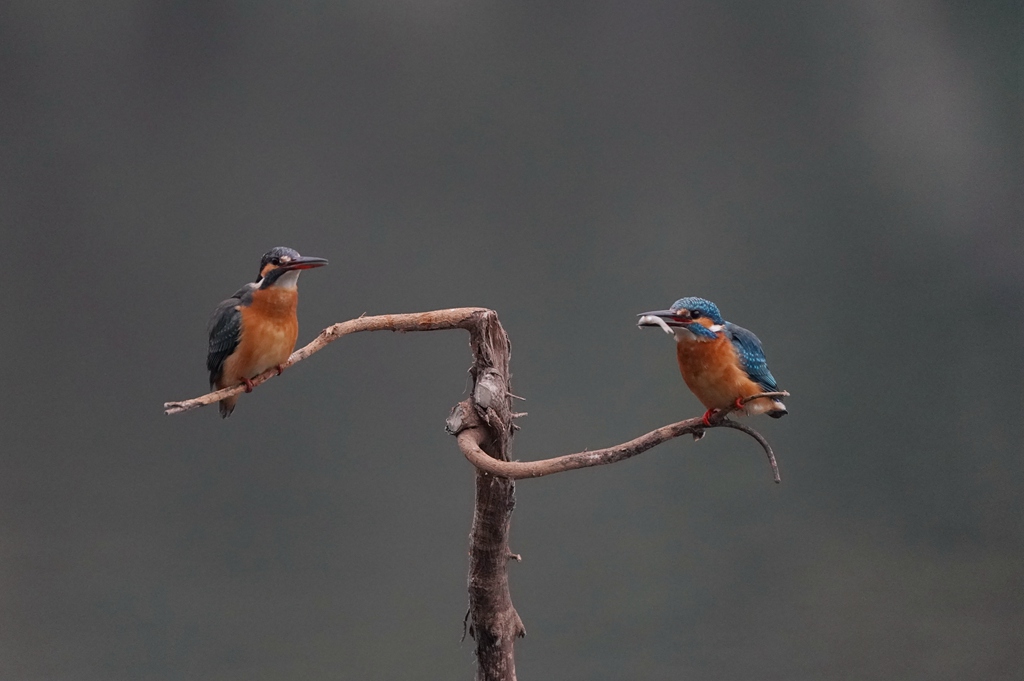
x=288, y=280
x=683, y=334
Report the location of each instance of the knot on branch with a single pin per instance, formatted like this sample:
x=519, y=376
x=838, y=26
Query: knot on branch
x=490, y=389
x=505, y=627
x=461, y=417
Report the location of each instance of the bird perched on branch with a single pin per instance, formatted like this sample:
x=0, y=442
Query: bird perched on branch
x=255, y=329
x=721, y=363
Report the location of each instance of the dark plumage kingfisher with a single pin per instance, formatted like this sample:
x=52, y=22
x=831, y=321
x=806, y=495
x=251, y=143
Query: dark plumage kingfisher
x=721, y=363
x=255, y=329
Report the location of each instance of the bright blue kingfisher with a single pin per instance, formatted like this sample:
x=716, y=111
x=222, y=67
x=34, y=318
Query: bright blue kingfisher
x=255, y=329
x=721, y=363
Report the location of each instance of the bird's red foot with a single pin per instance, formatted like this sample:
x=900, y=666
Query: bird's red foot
x=739, y=403
x=280, y=369
x=707, y=416
x=248, y=385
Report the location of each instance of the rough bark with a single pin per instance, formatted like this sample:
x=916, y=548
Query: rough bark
x=494, y=622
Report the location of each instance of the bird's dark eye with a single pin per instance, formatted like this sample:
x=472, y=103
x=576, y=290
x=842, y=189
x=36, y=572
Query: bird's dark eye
x=275, y=261
x=694, y=314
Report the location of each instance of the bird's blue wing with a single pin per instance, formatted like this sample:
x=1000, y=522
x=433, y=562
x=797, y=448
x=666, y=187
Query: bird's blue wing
x=225, y=329
x=751, y=356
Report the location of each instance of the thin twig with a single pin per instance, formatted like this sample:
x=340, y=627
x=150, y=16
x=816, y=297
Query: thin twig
x=729, y=423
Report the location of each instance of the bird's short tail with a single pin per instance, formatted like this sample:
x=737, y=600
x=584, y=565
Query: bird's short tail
x=765, y=405
x=227, y=405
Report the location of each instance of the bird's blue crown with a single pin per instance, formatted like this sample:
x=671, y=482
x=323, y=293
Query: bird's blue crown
x=705, y=307
x=276, y=253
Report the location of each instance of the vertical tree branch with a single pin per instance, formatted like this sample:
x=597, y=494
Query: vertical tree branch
x=494, y=622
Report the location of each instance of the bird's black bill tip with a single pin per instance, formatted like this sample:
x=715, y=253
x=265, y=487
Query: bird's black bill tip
x=304, y=263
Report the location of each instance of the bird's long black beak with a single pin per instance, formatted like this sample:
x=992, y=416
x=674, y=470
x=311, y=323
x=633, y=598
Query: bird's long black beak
x=665, y=319
x=658, y=313
x=304, y=263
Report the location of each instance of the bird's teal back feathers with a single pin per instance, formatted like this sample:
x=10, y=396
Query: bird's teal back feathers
x=751, y=356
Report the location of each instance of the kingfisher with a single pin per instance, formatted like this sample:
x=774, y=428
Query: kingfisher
x=721, y=363
x=255, y=329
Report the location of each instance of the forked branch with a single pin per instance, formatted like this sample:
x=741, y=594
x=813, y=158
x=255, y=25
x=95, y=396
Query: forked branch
x=483, y=426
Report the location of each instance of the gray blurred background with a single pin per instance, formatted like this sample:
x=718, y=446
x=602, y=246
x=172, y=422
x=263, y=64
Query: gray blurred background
x=843, y=178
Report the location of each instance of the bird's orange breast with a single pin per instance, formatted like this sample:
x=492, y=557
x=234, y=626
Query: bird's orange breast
x=269, y=330
x=712, y=372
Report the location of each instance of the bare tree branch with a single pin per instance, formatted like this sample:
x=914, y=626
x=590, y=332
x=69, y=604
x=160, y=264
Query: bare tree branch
x=494, y=623
x=454, y=318
x=464, y=424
